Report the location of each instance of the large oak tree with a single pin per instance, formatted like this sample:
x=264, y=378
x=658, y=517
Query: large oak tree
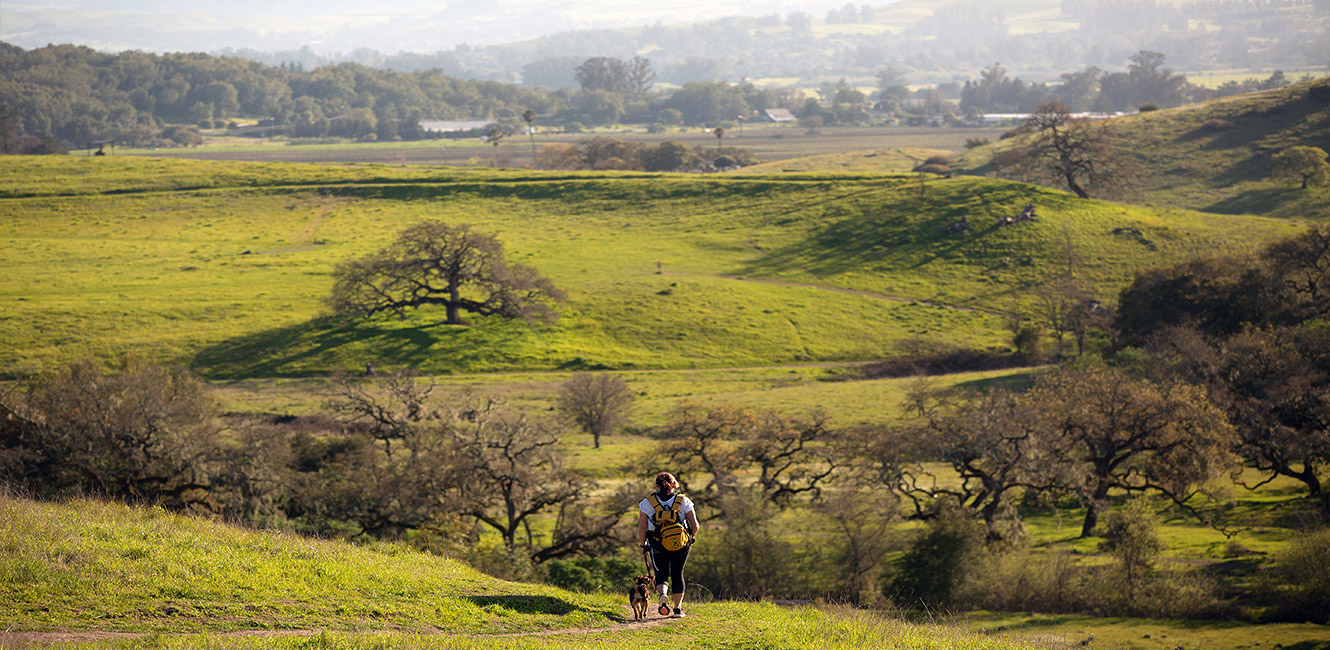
x=433, y=263
x=1073, y=152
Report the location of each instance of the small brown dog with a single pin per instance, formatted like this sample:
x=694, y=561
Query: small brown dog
x=637, y=596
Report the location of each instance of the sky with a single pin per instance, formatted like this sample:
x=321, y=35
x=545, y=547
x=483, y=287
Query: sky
x=330, y=26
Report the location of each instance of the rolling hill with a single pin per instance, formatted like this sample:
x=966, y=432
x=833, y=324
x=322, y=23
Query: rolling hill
x=224, y=266
x=1215, y=156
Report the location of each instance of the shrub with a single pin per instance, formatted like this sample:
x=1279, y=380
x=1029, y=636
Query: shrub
x=1299, y=584
x=971, y=143
x=738, y=563
x=1025, y=337
x=933, y=169
x=1132, y=537
x=931, y=570
x=1215, y=125
x=574, y=127
x=1036, y=582
x=141, y=432
x=592, y=574
x=724, y=162
x=941, y=362
x=557, y=155
x=1148, y=107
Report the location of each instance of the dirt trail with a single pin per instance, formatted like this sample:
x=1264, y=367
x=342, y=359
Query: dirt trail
x=11, y=638
x=305, y=239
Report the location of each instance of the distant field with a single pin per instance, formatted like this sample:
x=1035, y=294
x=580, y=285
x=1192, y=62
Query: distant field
x=767, y=142
x=1217, y=78
x=794, y=389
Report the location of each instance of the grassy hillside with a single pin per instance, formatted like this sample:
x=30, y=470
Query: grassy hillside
x=87, y=570
x=888, y=161
x=225, y=265
x=1223, y=168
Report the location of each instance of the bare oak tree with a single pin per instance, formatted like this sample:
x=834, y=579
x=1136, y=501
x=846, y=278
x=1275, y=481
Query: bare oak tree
x=433, y=263
x=513, y=471
x=786, y=454
x=1076, y=153
x=595, y=403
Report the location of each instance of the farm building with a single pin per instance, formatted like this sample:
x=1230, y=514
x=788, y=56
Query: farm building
x=450, y=126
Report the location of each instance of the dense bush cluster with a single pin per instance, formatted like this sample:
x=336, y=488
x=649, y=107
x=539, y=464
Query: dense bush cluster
x=668, y=156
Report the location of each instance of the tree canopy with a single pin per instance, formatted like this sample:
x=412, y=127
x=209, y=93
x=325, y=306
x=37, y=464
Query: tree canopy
x=1306, y=164
x=433, y=263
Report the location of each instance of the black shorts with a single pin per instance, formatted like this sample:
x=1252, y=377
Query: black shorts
x=669, y=566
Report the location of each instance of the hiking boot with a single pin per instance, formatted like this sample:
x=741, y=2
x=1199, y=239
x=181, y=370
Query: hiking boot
x=678, y=613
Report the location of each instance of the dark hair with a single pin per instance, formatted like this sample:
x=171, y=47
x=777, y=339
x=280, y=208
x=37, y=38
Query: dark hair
x=665, y=482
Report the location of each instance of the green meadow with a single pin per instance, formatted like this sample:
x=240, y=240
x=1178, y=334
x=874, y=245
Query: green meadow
x=225, y=266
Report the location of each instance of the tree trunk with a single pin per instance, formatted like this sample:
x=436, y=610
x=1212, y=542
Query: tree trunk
x=454, y=298
x=1076, y=187
x=1093, y=507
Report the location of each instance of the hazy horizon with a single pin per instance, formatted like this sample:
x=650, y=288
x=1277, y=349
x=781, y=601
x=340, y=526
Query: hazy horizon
x=337, y=26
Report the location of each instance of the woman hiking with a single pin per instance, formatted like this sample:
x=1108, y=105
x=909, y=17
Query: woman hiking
x=666, y=527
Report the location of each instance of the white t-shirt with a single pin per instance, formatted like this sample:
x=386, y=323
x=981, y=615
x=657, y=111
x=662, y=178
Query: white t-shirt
x=684, y=508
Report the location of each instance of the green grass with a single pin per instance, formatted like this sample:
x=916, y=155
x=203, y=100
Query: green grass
x=1225, y=172
x=84, y=571
x=892, y=161
x=90, y=567
x=225, y=266
x=1147, y=634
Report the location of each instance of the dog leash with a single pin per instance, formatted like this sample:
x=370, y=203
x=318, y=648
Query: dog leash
x=664, y=609
x=647, y=561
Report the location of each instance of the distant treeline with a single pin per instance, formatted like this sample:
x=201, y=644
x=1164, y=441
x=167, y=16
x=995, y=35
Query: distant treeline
x=1146, y=81
x=75, y=95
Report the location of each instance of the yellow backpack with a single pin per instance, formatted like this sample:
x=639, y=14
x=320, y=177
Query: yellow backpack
x=670, y=530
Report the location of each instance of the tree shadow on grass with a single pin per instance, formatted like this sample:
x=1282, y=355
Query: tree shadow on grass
x=325, y=345
x=910, y=237
x=1259, y=201
x=530, y=605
